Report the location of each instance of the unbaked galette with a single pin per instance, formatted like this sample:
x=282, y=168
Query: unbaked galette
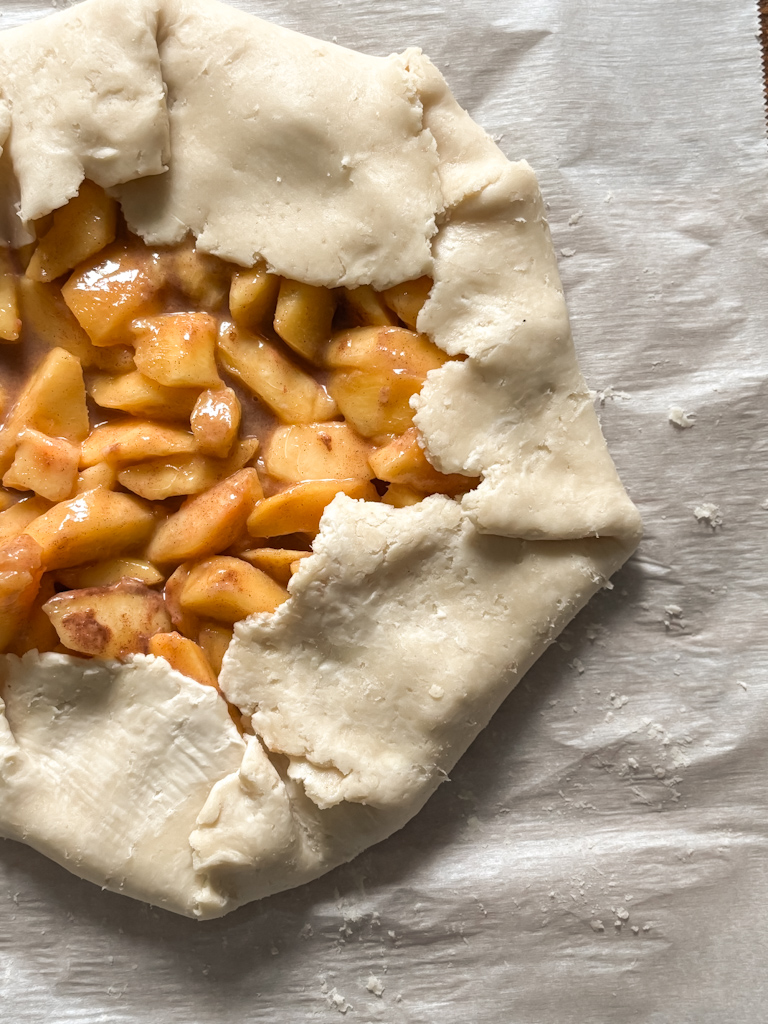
x=299, y=473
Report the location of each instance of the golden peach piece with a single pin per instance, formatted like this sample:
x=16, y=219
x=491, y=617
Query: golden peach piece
x=403, y=461
x=316, y=451
x=215, y=420
x=300, y=508
x=7, y=498
x=45, y=465
x=16, y=518
x=46, y=316
x=20, y=575
x=134, y=441
x=384, y=349
x=400, y=496
x=303, y=317
x=253, y=296
x=367, y=308
x=177, y=349
x=292, y=395
x=277, y=562
x=227, y=590
x=109, y=622
x=185, y=656
x=100, y=475
x=376, y=372
x=36, y=633
x=103, y=574
x=78, y=231
x=374, y=404
x=108, y=291
x=187, y=624
x=52, y=401
x=159, y=479
x=140, y=396
x=198, y=275
x=10, y=323
x=214, y=638
x=96, y=525
x=407, y=299
x=207, y=523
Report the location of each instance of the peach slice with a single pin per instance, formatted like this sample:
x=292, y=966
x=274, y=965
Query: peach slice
x=78, y=231
x=96, y=525
x=253, y=296
x=227, y=589
x=209, y=522
x=134, y=441
x=277, y=562
x=215, y=421
x=303, y=317
x=317, y=451
x=108, y=291
x=408, y=298
x=46, y=316
x=140, y=396
x=291, y=394
x=185, y=656
x=299, y=509
x=177, y=349
x=403, y=462
x=109, y=622
x=20, y=575
x=367, y=308
x=45, y=465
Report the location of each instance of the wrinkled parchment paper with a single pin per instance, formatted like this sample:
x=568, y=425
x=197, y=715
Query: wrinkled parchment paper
x=601, y=853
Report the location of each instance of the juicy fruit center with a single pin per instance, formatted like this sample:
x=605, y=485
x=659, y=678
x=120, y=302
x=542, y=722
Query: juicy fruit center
x=173, y=428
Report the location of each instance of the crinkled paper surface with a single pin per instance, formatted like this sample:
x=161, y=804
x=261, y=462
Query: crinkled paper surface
x=601, y=853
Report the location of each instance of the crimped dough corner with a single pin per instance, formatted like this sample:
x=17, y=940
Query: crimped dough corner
x=407, y=627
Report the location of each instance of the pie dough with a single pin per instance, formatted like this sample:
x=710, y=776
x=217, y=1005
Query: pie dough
x=407, y=627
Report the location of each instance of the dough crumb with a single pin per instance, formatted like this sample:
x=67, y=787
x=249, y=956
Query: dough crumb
x=567, y=253
x=611, y=392
x=710, y=514
x=673, y=618
x=337, y=1001
x=375, y=985
x=436, y=692
x=574, y=219
x=597, y=925
x=679, y=418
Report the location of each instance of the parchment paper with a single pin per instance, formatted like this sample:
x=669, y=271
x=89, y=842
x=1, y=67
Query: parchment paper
x=601, y=852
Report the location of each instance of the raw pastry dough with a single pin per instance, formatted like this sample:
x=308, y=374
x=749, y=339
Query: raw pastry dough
x=407, y=627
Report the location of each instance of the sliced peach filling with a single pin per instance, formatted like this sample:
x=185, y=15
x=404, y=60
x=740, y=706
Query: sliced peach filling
x=173, y=429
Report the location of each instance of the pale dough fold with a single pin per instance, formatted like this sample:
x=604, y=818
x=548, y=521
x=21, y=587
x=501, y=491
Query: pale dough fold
x=407, y=627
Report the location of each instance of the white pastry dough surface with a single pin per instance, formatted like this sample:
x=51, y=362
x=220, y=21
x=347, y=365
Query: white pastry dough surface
x=407, y=627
